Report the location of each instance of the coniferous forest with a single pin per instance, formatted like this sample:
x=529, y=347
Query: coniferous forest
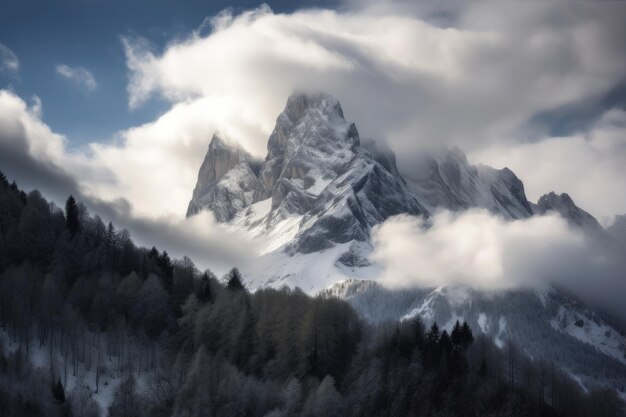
x=93, y=325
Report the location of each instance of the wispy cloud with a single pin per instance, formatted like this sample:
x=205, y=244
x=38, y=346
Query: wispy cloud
x=9, y=63
x=78, y=75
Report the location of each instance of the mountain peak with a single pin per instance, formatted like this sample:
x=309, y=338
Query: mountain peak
x=445, y=179
x=299, y=103
x=565, y=206
x=226, y=182
x=217, y=142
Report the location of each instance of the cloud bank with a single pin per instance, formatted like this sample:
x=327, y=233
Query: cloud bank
x=81, y=77
x=479, y=250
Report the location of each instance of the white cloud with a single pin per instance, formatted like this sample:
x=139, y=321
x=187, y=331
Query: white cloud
x=9, y=63
x=397, y=75
x=590, y=167
x=80, y=76
x=36, y=157
x=479, y=250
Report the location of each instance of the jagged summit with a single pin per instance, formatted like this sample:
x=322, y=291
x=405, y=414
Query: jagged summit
x=321, y=186
x=565, y=206
x=316, y=176
x=445, y=179
x=310, y=144
x=226, y=182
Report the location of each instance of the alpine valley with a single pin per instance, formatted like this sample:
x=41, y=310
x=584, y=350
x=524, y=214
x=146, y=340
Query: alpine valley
x=320, y=191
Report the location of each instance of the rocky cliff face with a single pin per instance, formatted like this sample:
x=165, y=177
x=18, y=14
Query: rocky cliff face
x=226, y=183
x=316, y=170
x=446, y=180
x=564, y=205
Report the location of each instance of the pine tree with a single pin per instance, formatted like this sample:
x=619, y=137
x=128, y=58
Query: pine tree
x=467, y=338
x=58, y=392
x=456, y=337
x=234, y=280
x=482, y=370
x=433, y=334
x=445, y=344
x=110, y=236
x=203, y=293
x=72, y=221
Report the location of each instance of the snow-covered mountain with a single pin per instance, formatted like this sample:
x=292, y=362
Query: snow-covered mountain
x=564, y=205
x=321, y=190
x=318, y=185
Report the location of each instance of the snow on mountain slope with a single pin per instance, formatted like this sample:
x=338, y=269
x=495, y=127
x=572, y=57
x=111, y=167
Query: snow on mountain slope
x=311, y=272
x=446, y=180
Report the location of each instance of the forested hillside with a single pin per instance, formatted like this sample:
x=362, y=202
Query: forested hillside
x=92, y=325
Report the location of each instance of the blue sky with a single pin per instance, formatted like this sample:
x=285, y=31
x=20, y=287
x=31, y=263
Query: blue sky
x=86, y=33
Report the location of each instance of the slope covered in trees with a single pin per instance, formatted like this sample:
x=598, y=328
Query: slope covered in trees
x=92, y=325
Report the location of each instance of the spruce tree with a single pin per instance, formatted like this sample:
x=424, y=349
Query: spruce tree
x=433, y=334
x=456, y=337
x=72, y=221
x=234, y=280
x=58, y=392
x=203, y=293
x=467, y=338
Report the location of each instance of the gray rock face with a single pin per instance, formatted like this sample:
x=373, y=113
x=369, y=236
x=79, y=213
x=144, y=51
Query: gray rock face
x=564, y=205
x=317, y=168
x=226, y=183
x=447, y=180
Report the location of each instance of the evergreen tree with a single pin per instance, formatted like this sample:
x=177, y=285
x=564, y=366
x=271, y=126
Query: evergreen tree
x=433, y=335
x=234, y=280
x=203, y=292
x=72, y=221
x=58, y=392
x=467, y=338
x=456, y=337
x=482, y=369
x=445, y=344
x=109, y=236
